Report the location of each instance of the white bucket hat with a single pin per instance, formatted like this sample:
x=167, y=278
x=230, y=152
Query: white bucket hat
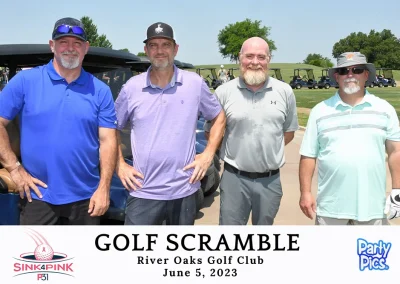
x=350, y=59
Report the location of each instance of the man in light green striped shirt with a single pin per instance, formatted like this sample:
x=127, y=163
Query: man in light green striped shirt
x=349, y=135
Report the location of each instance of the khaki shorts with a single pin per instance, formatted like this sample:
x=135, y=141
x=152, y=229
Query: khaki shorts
x=320, y=220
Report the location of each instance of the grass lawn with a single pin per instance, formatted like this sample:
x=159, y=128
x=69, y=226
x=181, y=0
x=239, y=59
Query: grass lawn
x=307, y=99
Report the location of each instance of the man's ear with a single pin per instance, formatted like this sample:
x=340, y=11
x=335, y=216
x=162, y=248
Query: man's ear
x=51, y=44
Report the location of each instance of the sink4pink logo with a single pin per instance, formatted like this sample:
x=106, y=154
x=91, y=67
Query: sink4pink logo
x=43, y=261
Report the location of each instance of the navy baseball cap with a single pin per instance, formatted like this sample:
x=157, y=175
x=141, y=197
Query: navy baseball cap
x=69, y=27
x=159, y=30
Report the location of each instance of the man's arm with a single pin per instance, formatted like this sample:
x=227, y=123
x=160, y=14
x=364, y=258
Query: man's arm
x=7, y=157
x=393, y=151
x=204, y=160
x=288, y=136
x=100, y=200
x=306, y=172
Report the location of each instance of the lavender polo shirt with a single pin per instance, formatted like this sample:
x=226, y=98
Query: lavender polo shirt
x=163, y=130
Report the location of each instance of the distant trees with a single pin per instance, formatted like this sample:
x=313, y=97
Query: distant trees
x=92, y=35
x=141, y=53
x=318, y=60
x=381, y=48
x=231, y=38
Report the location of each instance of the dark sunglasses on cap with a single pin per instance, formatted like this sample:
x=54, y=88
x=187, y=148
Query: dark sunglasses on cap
x=354, y=70
x=66, y=29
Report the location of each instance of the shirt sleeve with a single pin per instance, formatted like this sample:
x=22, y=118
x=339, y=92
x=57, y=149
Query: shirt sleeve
x=209, y=106
x=291, y=123
x=393, y=129
x=310, y=145
x=107, y=116
x=12, y=97
x=122, y=108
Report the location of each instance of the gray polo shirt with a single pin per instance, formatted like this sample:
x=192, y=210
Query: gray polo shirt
x=256, y=122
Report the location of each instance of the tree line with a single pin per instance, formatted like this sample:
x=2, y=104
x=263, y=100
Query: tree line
x=381, y=48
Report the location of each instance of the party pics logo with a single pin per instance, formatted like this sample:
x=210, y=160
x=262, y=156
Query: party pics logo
x=373, y=256
x=43, y=261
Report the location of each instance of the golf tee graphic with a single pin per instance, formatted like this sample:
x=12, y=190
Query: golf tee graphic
x=43, y=261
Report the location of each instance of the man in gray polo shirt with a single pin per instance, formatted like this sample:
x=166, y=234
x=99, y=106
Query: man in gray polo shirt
x=261, y=119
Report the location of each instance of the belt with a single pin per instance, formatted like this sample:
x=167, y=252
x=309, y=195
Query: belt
x=251, y=175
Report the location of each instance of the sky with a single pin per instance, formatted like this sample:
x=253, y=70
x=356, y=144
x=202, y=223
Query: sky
x=297, y=27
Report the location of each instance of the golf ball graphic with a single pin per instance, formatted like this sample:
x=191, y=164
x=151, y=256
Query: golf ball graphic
x=44, y=252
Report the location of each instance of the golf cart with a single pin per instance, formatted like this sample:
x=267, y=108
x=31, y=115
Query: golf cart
x=114, y=67
x=325, y=81
x=211, y=79
x=231, y=76
x=307, y=80
x=278, y=74
x=384, y=78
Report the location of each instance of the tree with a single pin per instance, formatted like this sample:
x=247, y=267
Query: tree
x=381, y=48
x=92, y=36
x=141, y=53
x=231, y=38
x=125, y=49
x=318, y=60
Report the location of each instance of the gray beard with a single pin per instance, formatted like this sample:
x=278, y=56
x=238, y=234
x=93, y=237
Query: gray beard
x=70, y=64
x=254, y=78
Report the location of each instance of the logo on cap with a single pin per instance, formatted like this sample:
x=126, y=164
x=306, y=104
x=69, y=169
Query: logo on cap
x=159, y=29
x=350, y=56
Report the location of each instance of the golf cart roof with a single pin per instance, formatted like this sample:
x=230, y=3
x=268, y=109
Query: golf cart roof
x=274, y=68
x=210, y=68
x=188, y=65
x=98, y=59
x=306, y=69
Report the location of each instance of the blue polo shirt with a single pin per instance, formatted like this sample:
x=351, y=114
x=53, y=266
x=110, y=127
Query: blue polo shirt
x=349, y=144
x=59, y=125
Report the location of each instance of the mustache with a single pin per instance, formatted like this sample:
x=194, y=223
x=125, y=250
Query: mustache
x=348, y=80
x=70, y=52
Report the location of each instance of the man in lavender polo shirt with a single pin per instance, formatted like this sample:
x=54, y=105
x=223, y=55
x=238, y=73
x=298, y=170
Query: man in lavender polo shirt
x=162, y=106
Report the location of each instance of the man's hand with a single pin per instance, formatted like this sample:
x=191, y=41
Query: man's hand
x=25, y=183
x=392, y=208
x=99, y=202
x=200, y=164
x=308, y=204
x=127, y=174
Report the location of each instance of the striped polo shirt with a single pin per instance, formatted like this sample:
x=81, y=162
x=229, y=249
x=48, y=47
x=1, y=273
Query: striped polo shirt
x=349, y=144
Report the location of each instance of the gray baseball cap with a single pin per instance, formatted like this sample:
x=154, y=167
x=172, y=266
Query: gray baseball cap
x=350, y=59
x=69, y=27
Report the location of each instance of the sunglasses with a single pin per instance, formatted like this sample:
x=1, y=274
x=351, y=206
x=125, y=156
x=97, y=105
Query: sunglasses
x=354, y=70
x=66, y=29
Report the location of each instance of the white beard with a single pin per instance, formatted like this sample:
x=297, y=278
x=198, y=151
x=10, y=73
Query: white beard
x=254, y=77
x=72, y=63
x=355, y=86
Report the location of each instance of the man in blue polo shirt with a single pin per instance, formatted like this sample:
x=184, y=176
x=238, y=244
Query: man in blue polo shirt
x=162, y=106
x=68, y=136
x=349, y=134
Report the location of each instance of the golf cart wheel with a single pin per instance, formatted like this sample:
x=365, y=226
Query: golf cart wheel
x=298, y=86
x=215, y=186
x=394, y=85
x=199, y=200
x=327, y=86
x=380, y=85
x=371, y=85
x=315, y=86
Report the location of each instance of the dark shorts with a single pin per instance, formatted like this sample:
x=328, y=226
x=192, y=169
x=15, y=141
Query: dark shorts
x=42, y=213
x=154, y=212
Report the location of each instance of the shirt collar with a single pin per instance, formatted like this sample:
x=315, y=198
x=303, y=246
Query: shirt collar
x=366, y=99
x=56, y=77
x=176, y=78
x=242, y=85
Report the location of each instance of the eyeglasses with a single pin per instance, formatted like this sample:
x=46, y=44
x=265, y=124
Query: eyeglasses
x=354, y=70
x=66, y=29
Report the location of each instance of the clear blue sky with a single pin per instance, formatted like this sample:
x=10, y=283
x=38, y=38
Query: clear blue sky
x=297, y=27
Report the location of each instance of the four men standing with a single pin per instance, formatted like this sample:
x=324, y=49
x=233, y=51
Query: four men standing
x=250, y=118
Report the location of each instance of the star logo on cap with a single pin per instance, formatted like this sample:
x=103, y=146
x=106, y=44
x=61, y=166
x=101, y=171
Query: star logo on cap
x=159, y=29
x=350, y=56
